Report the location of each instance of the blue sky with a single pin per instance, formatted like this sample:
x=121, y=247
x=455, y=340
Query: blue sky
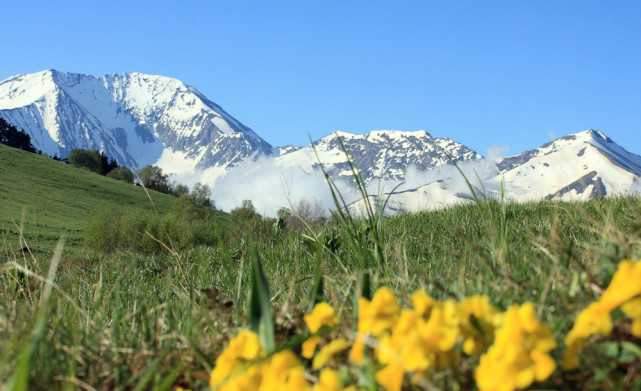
x=514, y=73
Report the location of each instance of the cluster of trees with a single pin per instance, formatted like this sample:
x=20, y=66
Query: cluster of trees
x=11, y=136
x=99, y=163
x=152, y=177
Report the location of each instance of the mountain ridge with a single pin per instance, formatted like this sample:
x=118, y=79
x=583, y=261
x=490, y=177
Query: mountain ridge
x=141, y=119
x=120, y=112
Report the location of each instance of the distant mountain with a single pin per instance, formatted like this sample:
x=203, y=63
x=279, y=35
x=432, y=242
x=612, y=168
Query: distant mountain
x=381, y=154
x=137, y=119
x=141, y=119
x=574, y=167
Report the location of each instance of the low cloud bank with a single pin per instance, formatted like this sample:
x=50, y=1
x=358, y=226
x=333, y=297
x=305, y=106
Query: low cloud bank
x=271, y=185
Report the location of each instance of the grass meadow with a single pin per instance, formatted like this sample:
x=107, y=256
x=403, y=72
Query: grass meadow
x=76, y=317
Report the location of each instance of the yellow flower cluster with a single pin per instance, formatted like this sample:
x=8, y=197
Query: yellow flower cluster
x=323, y=315
x=245, y=366
x=403, y=343
x=426, y=336
x=624, y=291
x=518, y=356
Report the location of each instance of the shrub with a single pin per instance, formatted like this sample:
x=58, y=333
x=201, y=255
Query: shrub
x=89, y=159
x=122, y=174
x=152, y=177
x=185, y=226
x=103, y=232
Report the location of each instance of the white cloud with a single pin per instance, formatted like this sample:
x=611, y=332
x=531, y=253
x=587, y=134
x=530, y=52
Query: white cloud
x=270, y=186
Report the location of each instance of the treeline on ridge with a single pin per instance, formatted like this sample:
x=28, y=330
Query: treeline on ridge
x=98, y=162
x=15, y=138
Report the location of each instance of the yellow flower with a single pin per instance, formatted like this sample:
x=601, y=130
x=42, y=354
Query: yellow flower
x=328, y=352
x=322, y=315
x=404, y=345
x=518, y=356
x=390, y=377
x=595, y=319
x=244, y=378
x=477, y=321
x=624, y=285
x=241, y=350
x=423, y=303
x=283, y=372
x=544, y=365
x=416, y=344
x=243, y=366
x=632, y=309
x=329, y=381
x=375, y=318
x=439, y=334
x=309, y=346
x=357, y=352
x=380, y=314
x=592, y=320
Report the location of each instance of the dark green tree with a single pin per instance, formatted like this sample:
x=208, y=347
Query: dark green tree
x=83, y=158
x=201, y=194
x=153, y=178
x=181, y=190
x=122, y=173
x=11, y=136
x=245, y=212
x=106, y=164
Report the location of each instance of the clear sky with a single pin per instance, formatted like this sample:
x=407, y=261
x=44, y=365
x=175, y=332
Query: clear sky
x=483, y=73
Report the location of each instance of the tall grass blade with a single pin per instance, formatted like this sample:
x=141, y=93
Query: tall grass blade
x=260, y=315
x=20, y=379
x=316, y=294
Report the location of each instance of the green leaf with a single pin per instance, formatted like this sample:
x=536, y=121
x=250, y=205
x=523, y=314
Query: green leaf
x=167, y=381
x=611, y=349
x=366, y=287
x=149, y=373
x=629, y=352
x=260, y=315
x=316, y=295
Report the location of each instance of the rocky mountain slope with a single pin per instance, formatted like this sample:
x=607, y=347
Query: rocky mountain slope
x=137, y=119
x=381, y=154
x=574, y=167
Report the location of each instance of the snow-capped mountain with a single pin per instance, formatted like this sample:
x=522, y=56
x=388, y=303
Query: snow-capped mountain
x=137, y=119
x=141, y=119
x=381, y=154
x=574, y=167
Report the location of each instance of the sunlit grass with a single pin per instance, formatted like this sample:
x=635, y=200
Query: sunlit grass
x=128, y=320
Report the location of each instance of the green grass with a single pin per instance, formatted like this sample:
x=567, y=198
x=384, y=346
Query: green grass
x=126, y=320
x=44, y=199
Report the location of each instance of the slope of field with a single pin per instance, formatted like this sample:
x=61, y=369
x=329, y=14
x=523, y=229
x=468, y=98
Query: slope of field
x=46, y=199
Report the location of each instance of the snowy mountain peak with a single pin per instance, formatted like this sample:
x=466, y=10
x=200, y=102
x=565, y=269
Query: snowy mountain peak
x=576, y=166
x=384, y=154
x=134, y=117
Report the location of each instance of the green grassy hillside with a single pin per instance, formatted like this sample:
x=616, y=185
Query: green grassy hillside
x=46, y=199
x=128, y=318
